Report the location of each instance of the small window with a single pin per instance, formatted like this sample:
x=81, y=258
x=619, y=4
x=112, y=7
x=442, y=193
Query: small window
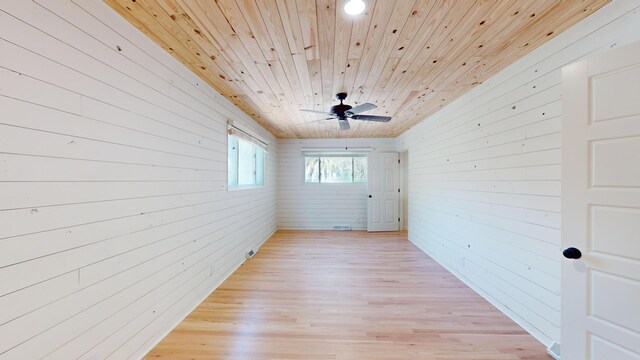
x=335, y=169
x=245, y=163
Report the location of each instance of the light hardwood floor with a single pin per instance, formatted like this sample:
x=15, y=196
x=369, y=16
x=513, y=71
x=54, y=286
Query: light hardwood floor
x=345, y=295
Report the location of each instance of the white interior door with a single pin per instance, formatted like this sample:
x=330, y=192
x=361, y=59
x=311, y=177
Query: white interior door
x=382, y=202
x=601, y=207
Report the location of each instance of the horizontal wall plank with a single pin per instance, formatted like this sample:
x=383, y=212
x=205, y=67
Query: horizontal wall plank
x=25, y=115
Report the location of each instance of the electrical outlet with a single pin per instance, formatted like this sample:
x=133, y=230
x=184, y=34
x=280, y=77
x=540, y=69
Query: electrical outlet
x=554, y=350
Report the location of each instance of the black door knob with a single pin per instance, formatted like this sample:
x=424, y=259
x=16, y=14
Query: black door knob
x=572, y=253
x=370, y=196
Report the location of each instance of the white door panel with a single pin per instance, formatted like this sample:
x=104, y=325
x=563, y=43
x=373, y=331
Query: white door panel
x=601, y=207
x=611, y=227
x=602, y=349
x=614, y=162
x=382, y=204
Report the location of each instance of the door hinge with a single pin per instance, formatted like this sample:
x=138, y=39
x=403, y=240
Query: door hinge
x=398, y=161
x=398, y=190
x=398, y=219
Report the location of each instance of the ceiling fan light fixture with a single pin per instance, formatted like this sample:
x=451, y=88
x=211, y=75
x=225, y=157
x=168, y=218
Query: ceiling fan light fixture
x=354, y=7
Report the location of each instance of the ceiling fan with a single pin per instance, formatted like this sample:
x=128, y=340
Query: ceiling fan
x=344, y=112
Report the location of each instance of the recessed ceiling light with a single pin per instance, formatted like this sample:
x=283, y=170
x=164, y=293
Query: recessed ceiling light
x=354, y=7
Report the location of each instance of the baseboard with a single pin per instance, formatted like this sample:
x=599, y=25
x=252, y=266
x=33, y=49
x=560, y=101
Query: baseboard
x=318, y=229
x=199, y=301
x=265, y=240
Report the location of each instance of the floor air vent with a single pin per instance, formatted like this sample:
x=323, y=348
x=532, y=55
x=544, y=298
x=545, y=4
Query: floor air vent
x=341, y=227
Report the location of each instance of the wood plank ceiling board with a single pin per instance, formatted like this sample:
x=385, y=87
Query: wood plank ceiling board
x=409, y=57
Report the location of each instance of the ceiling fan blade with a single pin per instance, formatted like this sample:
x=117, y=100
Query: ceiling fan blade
x=371, y=118
x=315, y=111
x=344, y=124
x=319, y=120
x=362, y=108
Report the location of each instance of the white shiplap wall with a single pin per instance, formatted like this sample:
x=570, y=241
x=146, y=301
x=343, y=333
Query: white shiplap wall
x=484, y=175
x=320, y=206
x=115, y=219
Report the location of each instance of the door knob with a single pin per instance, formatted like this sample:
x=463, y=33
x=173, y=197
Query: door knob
x=370, y=196
x=572, y=253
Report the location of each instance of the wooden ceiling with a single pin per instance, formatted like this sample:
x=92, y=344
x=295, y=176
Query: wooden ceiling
x=409, y=57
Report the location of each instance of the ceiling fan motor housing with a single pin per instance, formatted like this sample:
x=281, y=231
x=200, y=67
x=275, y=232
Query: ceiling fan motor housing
x=340, y=109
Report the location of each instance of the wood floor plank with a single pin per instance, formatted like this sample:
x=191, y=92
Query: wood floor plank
x=345, y=295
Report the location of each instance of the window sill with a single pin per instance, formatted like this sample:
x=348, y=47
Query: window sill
x=335, y=183
x=244, y=187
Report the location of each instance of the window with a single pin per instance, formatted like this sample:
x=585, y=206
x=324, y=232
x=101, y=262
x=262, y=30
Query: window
x=335, y=169
x=246, y=160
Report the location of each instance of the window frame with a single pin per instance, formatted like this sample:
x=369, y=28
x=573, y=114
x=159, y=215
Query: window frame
x=333, y=155
x=256, y=146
